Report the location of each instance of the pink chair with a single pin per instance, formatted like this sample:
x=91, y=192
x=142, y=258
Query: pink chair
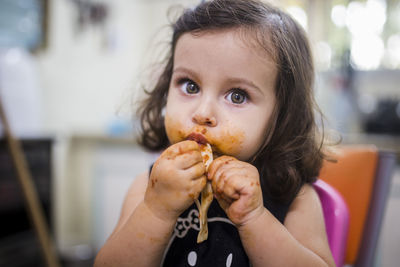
x=336, y=215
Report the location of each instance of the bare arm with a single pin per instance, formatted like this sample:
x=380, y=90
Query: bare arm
x=300, y=242
x=138, y=232
x=152, y=207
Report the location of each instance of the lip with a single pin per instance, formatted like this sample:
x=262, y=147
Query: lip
x=197, y=137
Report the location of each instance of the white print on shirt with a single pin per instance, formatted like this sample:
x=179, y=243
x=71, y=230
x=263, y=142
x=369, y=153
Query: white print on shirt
x=192, y=259
x=183, y=225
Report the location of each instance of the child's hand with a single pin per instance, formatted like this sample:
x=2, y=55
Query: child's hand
x=177, y=178
x=236, y=185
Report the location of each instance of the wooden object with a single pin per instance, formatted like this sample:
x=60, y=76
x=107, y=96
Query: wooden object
x=34, y=209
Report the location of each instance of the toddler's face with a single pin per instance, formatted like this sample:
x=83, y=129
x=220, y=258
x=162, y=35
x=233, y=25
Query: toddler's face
x=222, y=89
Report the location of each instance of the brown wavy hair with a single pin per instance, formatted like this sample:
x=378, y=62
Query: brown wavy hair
x=292, y=152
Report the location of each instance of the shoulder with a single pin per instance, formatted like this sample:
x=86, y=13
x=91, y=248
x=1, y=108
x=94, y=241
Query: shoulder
x=305, y=209
x=306, y=198
x=305, y=221
x=135, y=193
x=133, y=197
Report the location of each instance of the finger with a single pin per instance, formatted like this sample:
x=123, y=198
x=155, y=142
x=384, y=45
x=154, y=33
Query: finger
x=221, y=173
x=233, y=187
x=197, y=186
x=225, y=181
x=188, y=159
x=223, y=196
x=196, y=171
x=227, y=184
x=231, y=192
x=180, y=148
x=219, y=183
x=218, y=179
x=202, y=181
x=217, y=163
x=226, y=169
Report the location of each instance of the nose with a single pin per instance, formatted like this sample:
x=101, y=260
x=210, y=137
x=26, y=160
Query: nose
x=201, y=120
x=204, y=114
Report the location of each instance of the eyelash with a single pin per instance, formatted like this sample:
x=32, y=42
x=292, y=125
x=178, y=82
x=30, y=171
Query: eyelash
x=239, y=90
x=182, y=81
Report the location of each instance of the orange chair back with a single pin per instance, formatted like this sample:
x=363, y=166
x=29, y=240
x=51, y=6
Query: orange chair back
x=353, y=176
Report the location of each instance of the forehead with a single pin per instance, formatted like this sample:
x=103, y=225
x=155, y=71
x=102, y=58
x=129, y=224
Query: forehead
x=232, y=51
x=256, y=41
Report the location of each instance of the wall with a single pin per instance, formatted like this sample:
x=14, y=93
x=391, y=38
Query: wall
x=89, y=76
x=89, y=79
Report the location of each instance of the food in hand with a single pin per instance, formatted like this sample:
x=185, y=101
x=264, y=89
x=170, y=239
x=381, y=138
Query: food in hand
x=206, y=194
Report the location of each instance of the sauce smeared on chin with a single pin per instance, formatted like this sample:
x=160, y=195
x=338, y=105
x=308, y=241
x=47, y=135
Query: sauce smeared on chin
x=227, y=140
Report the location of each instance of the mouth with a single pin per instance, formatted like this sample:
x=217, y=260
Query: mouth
x=199, y=138
x=202, y=140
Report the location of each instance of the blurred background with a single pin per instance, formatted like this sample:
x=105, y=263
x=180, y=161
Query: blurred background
x=71, y=72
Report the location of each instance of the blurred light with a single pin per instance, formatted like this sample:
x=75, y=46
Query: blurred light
x=299, y=15
x=367, y=51
x=366, y=18
x=323, y=53
x=338, y=15
x=393, y=50
x=376, y=9
x=355, y=17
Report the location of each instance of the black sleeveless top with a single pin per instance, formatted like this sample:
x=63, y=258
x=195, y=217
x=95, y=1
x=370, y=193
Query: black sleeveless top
x=223, y=248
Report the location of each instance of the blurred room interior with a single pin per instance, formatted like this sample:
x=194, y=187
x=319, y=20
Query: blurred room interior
x=71, y=72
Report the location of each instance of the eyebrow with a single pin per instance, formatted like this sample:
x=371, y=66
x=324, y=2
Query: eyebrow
x=230, y=80
x=245, y=82
x=183, y=69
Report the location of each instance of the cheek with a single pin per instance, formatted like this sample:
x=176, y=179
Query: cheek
x=173, y=129
x=245, y=139
x=229, y=141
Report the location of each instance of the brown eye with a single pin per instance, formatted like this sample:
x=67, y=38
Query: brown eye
x=190, y=87
x=237, y=96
